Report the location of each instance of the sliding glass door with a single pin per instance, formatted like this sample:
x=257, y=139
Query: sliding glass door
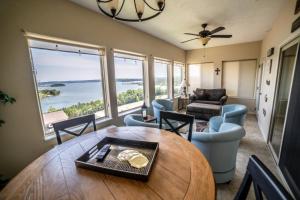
x=284, y=81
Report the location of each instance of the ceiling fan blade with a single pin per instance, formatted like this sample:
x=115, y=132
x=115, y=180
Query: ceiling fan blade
x=195, y=34
x=189, y=40
x=220, y=36
x=221, y=28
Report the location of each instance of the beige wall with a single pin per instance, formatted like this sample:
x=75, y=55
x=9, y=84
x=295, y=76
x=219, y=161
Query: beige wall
x=218, y=55
x=279, y=35
x=21, y=138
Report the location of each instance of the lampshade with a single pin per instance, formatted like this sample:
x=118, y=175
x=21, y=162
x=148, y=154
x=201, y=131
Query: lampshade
x=113, y=6
x=140, y=5
x=183, y=83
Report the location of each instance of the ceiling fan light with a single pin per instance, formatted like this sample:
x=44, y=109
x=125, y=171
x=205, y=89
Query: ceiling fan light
x=204, y=40
x=160, y=4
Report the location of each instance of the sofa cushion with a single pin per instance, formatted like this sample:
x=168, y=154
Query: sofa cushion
x=215, y=94
x=200, y=94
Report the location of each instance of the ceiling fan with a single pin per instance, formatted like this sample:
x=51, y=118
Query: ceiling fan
x=206, y=35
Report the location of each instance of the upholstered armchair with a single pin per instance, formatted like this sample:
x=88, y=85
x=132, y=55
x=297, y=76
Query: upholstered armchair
x=220, y=149
x=231, y=113
x=137, y=120
x=161, y=104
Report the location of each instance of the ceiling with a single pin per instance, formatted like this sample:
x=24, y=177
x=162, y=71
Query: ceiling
x=246, y=20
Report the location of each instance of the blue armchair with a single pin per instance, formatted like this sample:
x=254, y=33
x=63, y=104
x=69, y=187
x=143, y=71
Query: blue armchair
x=231, y=113
x=137, y=120
x=220, y=149
x=161, y=104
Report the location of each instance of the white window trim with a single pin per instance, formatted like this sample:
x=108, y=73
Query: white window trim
x=133, y=55
x=102, y=54
x=169, y=75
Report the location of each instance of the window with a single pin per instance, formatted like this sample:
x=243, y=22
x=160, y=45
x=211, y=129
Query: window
x=178, y=76
x=69, y=81
x=129, y=75
x=201, y=76
x=161, y=68
x=239, y=78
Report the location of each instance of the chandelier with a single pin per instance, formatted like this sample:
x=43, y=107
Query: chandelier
x=142, y=9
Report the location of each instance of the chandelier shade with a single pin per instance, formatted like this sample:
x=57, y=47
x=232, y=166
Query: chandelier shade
x=131, y=10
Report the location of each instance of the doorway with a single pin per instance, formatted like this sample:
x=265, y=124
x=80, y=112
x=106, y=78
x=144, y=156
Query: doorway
x=258, y=86
x=282, y=96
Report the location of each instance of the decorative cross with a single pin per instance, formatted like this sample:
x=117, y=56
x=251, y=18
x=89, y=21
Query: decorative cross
x=217, y=71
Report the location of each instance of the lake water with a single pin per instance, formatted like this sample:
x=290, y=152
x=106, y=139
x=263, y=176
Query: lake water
x=83, y=92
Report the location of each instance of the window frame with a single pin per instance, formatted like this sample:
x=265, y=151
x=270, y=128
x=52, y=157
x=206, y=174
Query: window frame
x=173, y=77
x=144, y=65
x=49, y=134
x=169, y=74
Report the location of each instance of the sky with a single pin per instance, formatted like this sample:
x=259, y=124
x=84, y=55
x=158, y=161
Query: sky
x=63, y=66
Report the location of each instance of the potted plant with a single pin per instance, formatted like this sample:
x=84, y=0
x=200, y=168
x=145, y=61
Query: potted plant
x=4, y=99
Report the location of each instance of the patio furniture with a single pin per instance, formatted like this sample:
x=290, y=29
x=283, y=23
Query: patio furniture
x=182, y=120
x=209, y=96
x=64, y=125
x=137, y=120
x=161, y=104
x=203, y=111
x=264, y=182
x=220, y=149
x=231, y=113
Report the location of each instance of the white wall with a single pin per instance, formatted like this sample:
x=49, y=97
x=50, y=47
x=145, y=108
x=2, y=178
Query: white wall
x=21, y=138
x=279, y=35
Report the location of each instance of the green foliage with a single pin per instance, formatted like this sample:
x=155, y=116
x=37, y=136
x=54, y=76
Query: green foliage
x=47, y=93
x=4, y=99
x=130, y=96
x=160, y=90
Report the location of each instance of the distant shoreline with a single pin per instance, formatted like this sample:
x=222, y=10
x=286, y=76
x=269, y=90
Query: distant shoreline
x=85, y=81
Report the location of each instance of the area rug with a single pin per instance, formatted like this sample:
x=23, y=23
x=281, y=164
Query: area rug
x=201, y=125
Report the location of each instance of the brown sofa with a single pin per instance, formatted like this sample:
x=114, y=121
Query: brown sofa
x=209, y=96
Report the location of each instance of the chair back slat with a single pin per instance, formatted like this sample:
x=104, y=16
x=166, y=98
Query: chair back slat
x=183, y=120
x=264, y=182
x=63, y=125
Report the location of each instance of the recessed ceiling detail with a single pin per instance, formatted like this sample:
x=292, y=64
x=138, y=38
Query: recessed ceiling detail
x=246, y=20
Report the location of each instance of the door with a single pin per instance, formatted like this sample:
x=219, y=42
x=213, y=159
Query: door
x=290, y=150
x=282, y=95
x=258, y=87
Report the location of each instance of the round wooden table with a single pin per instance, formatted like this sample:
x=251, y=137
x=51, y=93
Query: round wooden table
x=179, y=172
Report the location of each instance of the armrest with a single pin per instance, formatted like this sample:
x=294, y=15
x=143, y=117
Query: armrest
x=158, y=106
x=192, y=97
x=223, y=99
x=230, y=135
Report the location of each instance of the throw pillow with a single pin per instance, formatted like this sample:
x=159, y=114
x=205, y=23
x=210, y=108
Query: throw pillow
x=200, y=94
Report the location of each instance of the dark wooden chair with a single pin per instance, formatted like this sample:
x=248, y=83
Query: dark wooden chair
x=264, y=182
x=182, y=119
x=63, y=125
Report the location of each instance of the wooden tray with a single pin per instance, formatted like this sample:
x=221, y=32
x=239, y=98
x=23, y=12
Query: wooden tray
x=111, y=163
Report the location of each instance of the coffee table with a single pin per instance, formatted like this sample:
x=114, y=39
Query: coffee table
x=203, y=111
